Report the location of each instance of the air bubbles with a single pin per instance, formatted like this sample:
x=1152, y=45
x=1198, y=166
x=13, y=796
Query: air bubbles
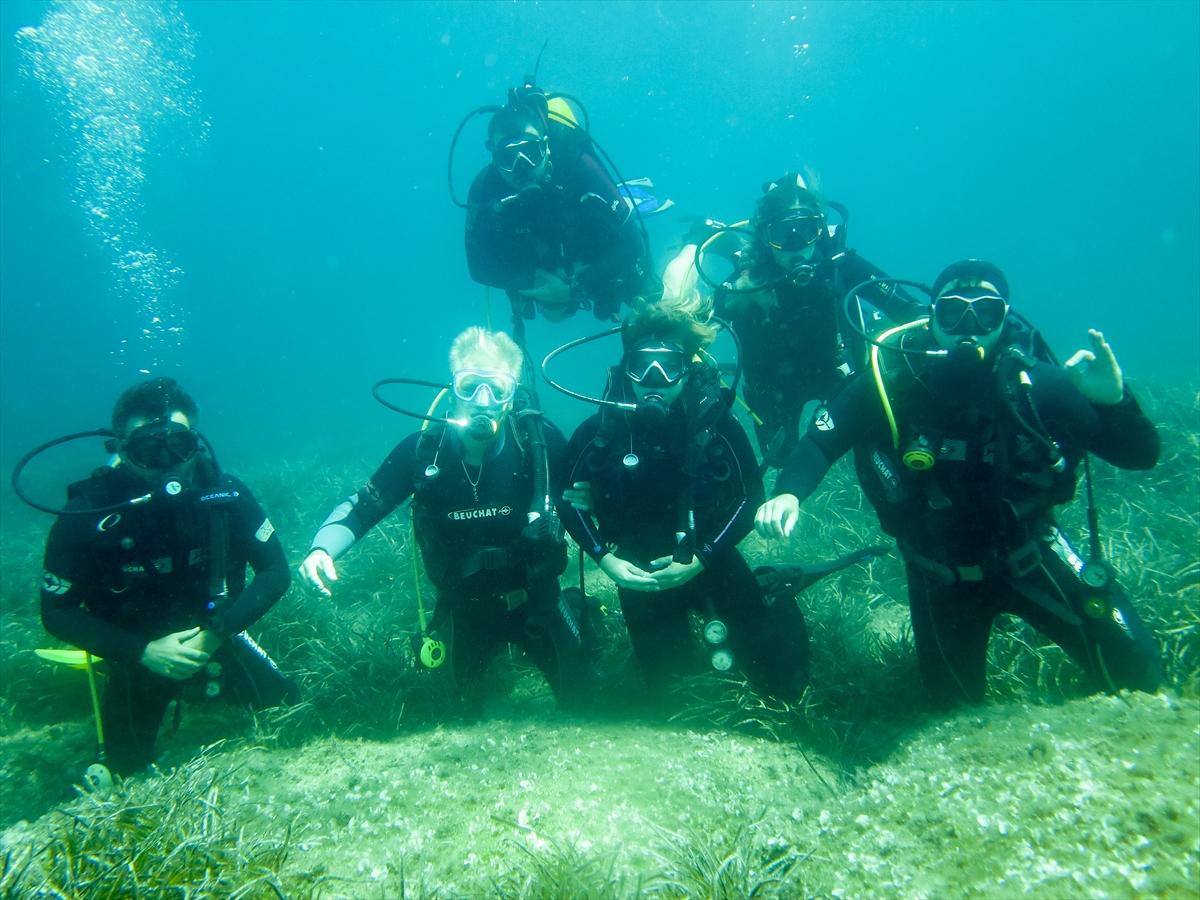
x=118, y=74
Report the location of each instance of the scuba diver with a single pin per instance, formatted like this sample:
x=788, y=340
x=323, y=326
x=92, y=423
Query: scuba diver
x=490, y=538
x=664, y=486
x=791, y=269
x=145, y=568
x=965, y=442
x=546, y=222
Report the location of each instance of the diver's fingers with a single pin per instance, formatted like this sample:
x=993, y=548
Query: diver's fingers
x=1080, y=356
x=308, y=575
x=1075, y=366
x=192, y=656
x=327, y=567
x=638, y=579
x=182, y=636
x=776, y=517
x=761, y=521
x=1101, y=347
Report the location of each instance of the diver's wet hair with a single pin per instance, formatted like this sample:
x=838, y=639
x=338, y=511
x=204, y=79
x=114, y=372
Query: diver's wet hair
x=788, y=191
x=496, y=347
x=153, y=399
x=685, y=321
x=511, y=120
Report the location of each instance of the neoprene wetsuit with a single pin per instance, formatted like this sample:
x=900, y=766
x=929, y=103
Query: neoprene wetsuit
x=636, y=517
x=577, y=222
x=977, y=529
x=793, y=353
x=494, y=586
x=117, y=581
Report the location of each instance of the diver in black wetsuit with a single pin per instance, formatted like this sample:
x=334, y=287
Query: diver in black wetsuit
x=985, y=443
x=660, y=499
x=545, y=222
x=137, y=588
x=494, y=561
x=796, y=346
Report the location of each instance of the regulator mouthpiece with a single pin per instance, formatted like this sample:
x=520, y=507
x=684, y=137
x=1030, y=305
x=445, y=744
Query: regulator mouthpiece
x=97, y=778
x=802, y=272
x=482, y=427
x=651, y=410
x=172, y=486
x=433, y=653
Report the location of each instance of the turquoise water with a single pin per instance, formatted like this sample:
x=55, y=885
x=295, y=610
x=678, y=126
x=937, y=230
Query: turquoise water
x=252, y=198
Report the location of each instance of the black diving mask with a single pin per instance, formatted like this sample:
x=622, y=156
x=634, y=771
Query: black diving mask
x=161, y=445
x=795, y=232
x=533, y=150
x=657, y=365
x=957, y=314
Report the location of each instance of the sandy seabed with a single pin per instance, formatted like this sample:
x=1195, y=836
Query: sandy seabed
x=1099, y=797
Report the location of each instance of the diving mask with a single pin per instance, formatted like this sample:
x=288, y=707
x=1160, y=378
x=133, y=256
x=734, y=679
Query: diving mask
x=533, y=150
x=958, y=314
x=484, y=387
x=656, y=365
x=160, y=445
x=796, y=231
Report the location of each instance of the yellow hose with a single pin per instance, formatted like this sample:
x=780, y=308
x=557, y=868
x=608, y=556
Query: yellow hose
x=95, y=702
x=412, y=532
x=877, y=369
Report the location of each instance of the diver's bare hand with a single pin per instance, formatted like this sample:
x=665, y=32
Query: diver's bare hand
x=625, y=574
x=549, y=289
x=1096, y=373
x=205, y=640
x=579, y=495
x=317, y=569
x=673, y=574
x=778, y=516
x=170, y=656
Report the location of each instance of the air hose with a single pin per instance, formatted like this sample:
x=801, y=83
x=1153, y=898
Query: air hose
x=877, y=371
x=432, y=652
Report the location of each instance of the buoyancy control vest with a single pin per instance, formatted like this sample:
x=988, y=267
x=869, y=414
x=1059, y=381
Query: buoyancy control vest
x=211, y=493
x=534, y=545
x=704, y=403
x=981, y=476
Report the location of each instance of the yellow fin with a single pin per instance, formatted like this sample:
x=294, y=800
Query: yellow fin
x=76, y=659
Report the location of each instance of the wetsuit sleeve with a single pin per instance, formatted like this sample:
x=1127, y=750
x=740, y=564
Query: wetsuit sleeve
x=724, y=535
x=490, y=256
x=607, y=222
x=390, y=486
x=252, y=537
x=1118, y=433
x=71, y=579
x=581, y=526
x=849, y=417
x=890, y=299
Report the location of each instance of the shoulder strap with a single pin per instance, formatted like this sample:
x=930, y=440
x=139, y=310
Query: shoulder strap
x=612, y=422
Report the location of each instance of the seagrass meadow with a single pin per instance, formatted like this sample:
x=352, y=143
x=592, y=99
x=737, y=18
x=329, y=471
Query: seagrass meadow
x=379, y=784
